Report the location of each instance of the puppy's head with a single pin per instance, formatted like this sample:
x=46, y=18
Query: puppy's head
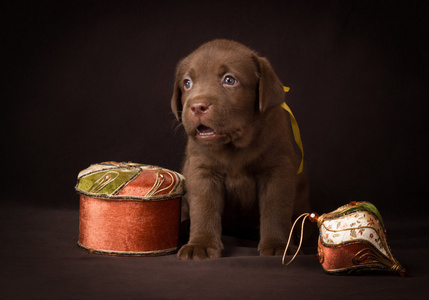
x=221, y=91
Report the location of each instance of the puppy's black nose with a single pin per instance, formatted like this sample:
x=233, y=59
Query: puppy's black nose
x=199, y=108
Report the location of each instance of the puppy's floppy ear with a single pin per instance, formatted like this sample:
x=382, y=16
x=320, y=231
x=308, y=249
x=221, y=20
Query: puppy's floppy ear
x=176, y=100
x=271, y=91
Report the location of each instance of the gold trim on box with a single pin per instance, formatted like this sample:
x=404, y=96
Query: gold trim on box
x=128, y=253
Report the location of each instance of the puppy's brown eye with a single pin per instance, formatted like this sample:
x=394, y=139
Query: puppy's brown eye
x=229, y=80
x=187, y=83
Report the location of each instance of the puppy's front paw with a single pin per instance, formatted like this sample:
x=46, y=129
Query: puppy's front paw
x=269, y=251
x=198, y=252
x=278, y=250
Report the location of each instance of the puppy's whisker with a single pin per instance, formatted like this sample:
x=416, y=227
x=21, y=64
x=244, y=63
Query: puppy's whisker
x=176, y=129
x=175, y=126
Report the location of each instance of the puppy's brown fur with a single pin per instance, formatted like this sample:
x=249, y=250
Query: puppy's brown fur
x=240, y=150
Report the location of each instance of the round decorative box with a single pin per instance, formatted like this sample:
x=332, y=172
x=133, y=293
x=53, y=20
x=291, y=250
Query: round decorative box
x=129, y=209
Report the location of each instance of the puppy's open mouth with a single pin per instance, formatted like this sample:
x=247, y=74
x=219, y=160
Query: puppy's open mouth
x=205, y=130
x=206, y=133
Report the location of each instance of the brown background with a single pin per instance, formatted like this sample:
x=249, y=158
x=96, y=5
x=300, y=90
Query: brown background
x=91, y=81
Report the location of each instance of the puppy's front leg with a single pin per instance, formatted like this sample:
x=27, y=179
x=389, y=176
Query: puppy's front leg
x=276, y=201
x=206, y=200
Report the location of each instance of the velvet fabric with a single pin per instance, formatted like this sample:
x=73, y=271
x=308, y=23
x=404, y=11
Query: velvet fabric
x=349, y=259
x=129, y=227
x=121, y=180
x=129, y=209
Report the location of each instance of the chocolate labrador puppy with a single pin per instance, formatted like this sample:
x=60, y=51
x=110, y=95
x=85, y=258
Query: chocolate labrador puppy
x=240, y=154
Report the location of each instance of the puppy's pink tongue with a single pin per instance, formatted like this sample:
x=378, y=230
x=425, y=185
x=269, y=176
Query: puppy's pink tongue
x=204, y=130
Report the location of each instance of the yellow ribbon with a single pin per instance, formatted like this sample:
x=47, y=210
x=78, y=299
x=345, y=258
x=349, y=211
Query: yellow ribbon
x=295, y=130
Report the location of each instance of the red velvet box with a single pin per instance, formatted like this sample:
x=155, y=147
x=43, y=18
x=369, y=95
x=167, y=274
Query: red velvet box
x=129, y=209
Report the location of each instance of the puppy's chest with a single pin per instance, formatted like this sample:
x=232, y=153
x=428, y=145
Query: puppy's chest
x=241, y=187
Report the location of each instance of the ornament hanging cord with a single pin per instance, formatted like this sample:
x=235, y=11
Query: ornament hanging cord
x=305, y=215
